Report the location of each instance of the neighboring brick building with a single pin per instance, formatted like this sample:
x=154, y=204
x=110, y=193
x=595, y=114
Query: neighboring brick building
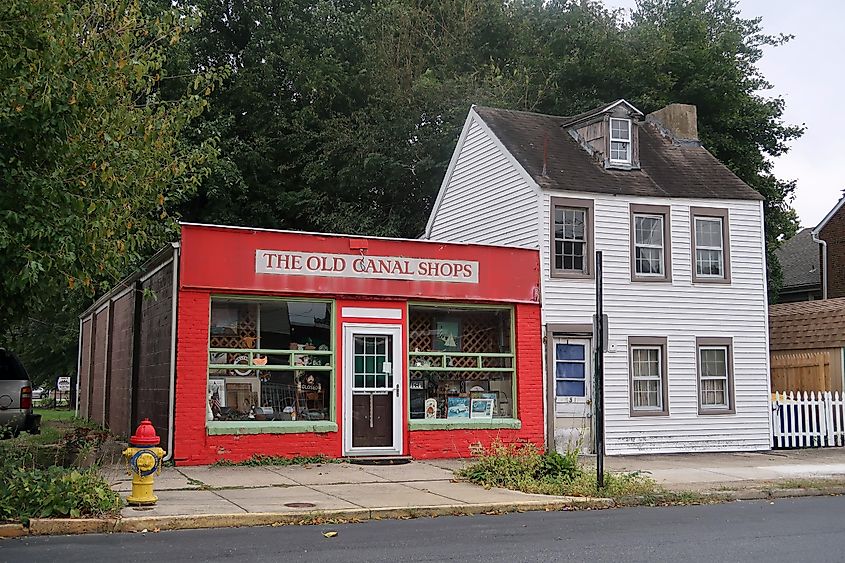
x=832, y=231
x=802, y=260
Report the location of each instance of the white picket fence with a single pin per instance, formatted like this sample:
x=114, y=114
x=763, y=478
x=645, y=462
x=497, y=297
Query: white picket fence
x=808, y=420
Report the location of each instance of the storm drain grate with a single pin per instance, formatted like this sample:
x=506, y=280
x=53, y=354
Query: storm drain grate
x=300, y=504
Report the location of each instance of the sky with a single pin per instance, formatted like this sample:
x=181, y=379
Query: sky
x=803, y=72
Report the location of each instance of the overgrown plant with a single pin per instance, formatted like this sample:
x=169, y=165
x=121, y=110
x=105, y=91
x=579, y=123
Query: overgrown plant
x=524, y=467
x=259, y=459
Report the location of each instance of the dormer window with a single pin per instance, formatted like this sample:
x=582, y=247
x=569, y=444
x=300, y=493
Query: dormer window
x=620, y=141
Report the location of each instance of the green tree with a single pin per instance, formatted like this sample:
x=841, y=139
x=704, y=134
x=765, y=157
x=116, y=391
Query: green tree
x=92, y=157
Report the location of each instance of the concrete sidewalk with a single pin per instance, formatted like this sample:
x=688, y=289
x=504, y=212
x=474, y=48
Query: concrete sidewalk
x=325, y=489
x=717, y=472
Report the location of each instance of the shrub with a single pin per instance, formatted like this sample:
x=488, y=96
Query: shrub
x=27, y=493
x=524, y=468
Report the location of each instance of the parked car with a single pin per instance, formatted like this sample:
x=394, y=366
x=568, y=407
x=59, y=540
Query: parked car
x=16, y=398
x=39, y=393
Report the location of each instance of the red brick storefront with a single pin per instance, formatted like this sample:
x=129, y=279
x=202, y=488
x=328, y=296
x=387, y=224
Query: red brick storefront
x=295, y=344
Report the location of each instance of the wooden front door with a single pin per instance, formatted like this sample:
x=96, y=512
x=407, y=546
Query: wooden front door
x=372, y=381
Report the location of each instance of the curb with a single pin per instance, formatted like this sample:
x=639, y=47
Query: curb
x=65, y=526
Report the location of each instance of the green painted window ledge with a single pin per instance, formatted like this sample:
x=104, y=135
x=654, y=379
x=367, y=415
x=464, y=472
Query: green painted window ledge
x=218, y=427
x=466, y=424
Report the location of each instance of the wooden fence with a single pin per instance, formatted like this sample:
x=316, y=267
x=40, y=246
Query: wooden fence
x=808, y=420
x=801, y=371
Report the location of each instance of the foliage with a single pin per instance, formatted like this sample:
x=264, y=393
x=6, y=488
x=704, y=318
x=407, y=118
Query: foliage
x=259, y=459
x=54, y=492
x=93, y=156
x=342, y=116
x=524, y=468
x=39, y=480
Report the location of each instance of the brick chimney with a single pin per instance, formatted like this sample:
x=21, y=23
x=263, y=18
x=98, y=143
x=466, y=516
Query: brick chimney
x=679, y=121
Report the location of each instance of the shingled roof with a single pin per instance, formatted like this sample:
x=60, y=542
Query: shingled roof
x=799, y=261
x=668, y=169
x=807, y=324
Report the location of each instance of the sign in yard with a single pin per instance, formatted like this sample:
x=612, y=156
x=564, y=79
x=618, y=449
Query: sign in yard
x=360, y=266
x=63, y=384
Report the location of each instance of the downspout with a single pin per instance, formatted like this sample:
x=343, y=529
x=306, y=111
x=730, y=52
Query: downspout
x=817, y=240
x=173, y=324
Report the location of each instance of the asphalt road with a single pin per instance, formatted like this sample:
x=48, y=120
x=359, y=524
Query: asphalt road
x=794, y=530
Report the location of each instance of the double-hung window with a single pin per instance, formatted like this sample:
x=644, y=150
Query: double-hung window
x=715, y=376
x=620, y=141
x=648, y=376
x=711, y=245
x=571, y=237
x=651, y=258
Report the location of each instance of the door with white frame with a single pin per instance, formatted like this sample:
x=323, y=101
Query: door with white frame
x=372, y=389
x=573, y=389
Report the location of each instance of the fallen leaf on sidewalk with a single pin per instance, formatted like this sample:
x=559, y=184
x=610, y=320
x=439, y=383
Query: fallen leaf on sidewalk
x=330, y=534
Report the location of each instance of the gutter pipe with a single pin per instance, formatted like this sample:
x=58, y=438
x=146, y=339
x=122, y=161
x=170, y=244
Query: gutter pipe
x=817, y=240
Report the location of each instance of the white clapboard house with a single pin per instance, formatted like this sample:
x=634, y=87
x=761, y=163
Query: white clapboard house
x=686, y=367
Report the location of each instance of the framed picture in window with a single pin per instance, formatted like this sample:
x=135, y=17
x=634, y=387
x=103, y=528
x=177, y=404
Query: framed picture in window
x=457, y=407
x=447, y=335
x=217, y=392
x=481, y=408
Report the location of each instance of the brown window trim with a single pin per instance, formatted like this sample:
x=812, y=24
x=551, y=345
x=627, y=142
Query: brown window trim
x=587, y=205
x=652, y=341
x=714, y=341
x=666, y=212
x=724, y=215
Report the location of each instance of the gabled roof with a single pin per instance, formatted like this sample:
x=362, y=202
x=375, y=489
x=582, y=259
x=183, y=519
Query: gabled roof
x=807, y=324
x=667, y=169
x=583, y=116
x=830, y=215
x=799, y=261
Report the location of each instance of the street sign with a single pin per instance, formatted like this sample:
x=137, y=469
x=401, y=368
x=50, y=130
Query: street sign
x=63, y=384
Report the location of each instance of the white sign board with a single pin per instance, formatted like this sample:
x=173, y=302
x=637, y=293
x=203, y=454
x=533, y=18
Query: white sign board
x=63, y=384
x=356, y=266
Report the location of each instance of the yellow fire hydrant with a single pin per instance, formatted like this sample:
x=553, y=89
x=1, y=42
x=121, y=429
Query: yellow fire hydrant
x=143, y=458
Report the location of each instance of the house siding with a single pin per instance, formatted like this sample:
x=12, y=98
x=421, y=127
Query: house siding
x=679, y=311
x=486, y=199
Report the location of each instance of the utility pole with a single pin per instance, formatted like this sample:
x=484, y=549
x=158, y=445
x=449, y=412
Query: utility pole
x=598, y=376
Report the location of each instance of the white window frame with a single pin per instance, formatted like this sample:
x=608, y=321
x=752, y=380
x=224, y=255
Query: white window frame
x=628, y=142
x=726, y=378
x=658, y=377
x=661, y=247
x=720, y=248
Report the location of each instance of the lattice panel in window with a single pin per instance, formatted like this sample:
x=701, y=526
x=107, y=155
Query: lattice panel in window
x=247, y=335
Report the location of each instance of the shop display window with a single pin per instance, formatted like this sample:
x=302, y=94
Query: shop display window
x=269, y=360
x=461, y=363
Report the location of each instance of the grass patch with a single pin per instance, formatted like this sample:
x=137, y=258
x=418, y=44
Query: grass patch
x=815, y=483
x=56, y=415
x=258, y=460
x=523, y=467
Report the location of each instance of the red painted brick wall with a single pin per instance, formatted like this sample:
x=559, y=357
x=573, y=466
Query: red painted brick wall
x=529, y=373
x=192, y=446
x=834, y=235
